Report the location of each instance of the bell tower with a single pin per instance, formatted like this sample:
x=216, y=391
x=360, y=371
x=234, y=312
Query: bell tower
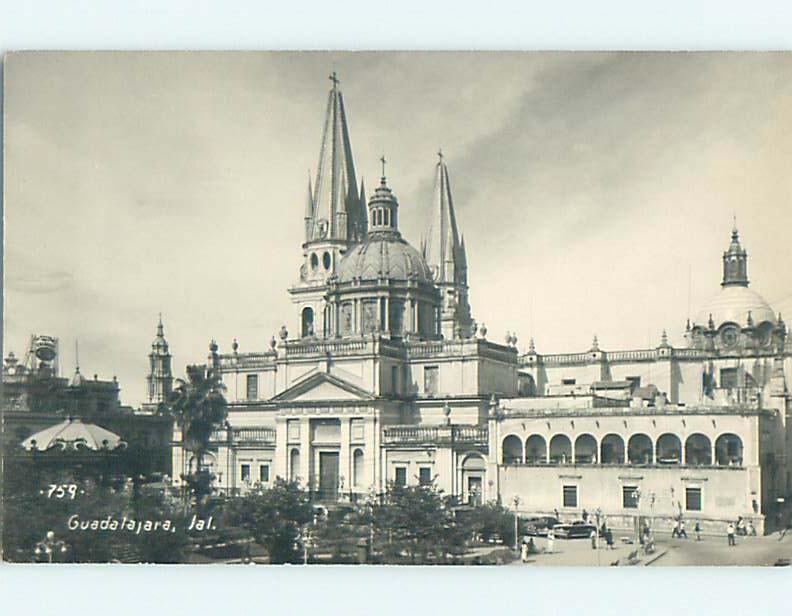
x=160, y=377
x=335, y=218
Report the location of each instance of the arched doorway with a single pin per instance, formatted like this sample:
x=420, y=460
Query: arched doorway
x=729, y=450
x=640, y=449
x=357, y=468
x=473, y=473
x=307, y=326
x=698, y=450
x=560, y=449
x=585, y=449
x=612, y=449
x=526, y=386
x=669, y=449
x=512, y=450
x=536, y=450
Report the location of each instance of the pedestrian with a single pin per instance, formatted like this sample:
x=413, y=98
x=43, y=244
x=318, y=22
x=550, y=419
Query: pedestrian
x=751, y=530
x=609, y=538
x=682, y=532
x=698, y=530
x=550, y=539
x=593, y=539
x=675, y=530
x=585, y=516
x=557, y=515
x=524, y=553
x=730, y=534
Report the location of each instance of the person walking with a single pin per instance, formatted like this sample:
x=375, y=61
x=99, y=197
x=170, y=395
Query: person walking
x=593, y=539
x=698, y=530
x=609, y=538
x=682, y=532
x=730, y=534
x=550, y=539
x=524, y=553
x=675, y=530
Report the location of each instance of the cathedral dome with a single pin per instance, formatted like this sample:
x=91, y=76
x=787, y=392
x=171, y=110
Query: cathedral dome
x=384, y=256
x=732, y=304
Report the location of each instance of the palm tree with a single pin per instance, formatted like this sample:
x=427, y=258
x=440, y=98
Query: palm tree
x=199, y=407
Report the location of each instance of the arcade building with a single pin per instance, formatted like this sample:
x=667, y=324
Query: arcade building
x=382, y=375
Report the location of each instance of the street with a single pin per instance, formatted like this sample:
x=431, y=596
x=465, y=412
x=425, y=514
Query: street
x=749, y=551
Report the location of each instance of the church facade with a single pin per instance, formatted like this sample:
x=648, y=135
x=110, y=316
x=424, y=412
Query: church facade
x=382, y=375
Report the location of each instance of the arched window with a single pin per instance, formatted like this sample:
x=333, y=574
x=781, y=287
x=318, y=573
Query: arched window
x=357, y=468
x=326, y=260
x=669, y=449
x=294, y=464
x=698, y=450
x=585, y=449
x=512, y=450
x=536, y=450
x=314, y=261
x=560, y=449
x=473, y=475
x=307, y=327
x=612, y=449
x=526, y=386
x=729, y=450
x=640, y=449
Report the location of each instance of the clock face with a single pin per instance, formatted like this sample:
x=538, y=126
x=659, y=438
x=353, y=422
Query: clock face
x=729, y=337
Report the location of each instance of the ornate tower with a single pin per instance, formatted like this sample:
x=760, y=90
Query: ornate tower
x=735, y=263
x=160, y=378
x=445, y=254
x=335, y=217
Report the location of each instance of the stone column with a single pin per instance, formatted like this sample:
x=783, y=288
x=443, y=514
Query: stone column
x=305, y=452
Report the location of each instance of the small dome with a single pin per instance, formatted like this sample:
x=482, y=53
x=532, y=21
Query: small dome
x=385, y=256
x=732, y=304
x=77, y=380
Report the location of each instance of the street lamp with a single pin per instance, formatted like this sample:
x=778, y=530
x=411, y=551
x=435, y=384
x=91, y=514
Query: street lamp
x=516, y=501
x=50, y=546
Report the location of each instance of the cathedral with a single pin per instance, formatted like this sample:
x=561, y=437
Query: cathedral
x=382, y=374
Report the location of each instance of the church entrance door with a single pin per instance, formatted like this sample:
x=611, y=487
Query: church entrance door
x=328, y=475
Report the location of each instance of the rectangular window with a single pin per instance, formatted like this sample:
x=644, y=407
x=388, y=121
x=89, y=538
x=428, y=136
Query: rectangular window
x=568, y=381
x=293, y=429
x=728, y=378
x=264, y=473
x=246, y=472
x=401, y=475
x=630, y=497
x=252, y=386
x=570, y=496
x=430, y=380
x=357, y=430
x=425, y=476
x=635, y=381
x=693, y=499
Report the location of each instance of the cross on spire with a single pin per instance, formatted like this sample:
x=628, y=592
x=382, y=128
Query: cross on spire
x=440, y=153
x=383, y=161
x=334, y=78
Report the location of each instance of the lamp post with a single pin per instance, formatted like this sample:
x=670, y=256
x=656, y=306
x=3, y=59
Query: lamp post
x=516, y=501
x=49, y=546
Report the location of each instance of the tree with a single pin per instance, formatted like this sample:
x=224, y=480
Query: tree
x=275, y=516
x=416, y=521
x=200, y=409
x=490, y=521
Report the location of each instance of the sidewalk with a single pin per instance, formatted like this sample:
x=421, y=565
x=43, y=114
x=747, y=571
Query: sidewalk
x=578, y=553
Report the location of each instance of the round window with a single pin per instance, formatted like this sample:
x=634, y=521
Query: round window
x=314, y=261
x=729, y=336
x=326, y=260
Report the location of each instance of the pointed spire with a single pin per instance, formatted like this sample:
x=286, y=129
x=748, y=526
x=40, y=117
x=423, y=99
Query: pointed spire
x=442, y=246
x=309, y=211
x=337, y=212
x=160, y=328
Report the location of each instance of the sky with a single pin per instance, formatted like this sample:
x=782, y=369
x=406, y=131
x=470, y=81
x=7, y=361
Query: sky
x=596, y=191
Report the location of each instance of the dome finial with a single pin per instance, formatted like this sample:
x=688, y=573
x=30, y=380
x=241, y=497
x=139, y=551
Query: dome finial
x=383, y=161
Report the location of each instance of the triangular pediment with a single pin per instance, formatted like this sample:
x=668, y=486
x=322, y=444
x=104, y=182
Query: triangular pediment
x=322, y=386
